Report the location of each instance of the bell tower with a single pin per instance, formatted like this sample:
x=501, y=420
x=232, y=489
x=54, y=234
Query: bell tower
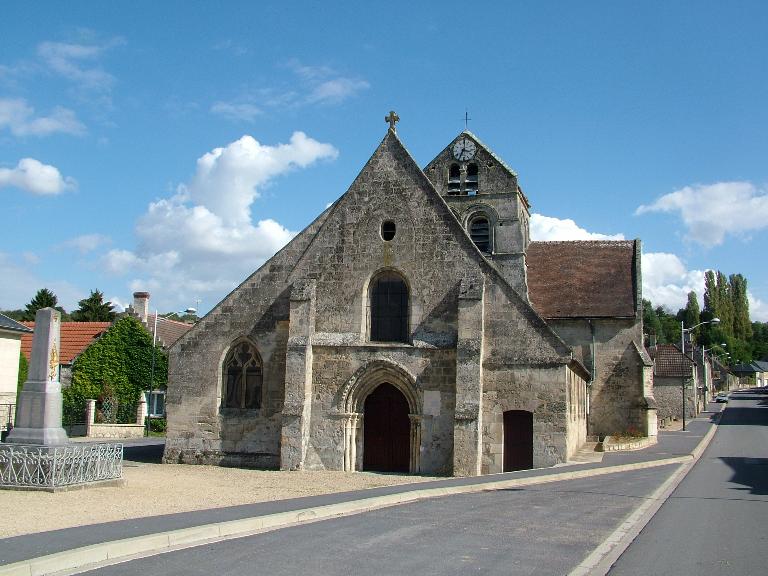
x=484, y=194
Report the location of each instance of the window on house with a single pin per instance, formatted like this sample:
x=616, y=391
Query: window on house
x=155, y=403
x=242, y=374
x=470, y=184
x=480, y=232
x=454, y=179
x=389, y=308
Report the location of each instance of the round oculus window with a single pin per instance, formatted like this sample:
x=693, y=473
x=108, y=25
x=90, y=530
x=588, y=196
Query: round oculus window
x=388, y=230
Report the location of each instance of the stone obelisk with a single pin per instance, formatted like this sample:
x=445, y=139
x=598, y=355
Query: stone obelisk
x=38, y=415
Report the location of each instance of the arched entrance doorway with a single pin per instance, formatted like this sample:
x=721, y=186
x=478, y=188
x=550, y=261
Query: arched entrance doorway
x=386, y=431
x=518, y=440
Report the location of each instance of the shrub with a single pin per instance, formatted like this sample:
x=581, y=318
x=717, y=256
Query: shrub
x=156, y=425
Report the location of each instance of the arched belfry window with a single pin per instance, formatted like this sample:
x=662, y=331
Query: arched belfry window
x=243, y=377
x=471, y=184
x=480, y=232
x=454, y=179
x=389, y=308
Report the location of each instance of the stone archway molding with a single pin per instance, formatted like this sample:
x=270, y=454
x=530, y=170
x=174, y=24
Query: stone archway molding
x=351, y=402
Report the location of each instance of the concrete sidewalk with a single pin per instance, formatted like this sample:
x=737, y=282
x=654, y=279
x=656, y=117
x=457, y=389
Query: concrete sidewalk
x=71, y=548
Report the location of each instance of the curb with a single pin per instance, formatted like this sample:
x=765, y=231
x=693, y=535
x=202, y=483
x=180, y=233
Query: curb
x=107, y=553
x=602, y=558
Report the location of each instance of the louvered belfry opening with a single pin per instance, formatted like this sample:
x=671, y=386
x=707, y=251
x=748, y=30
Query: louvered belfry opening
x=471, y=183
x=454, y=180
x=480, y=232
x=389, y=308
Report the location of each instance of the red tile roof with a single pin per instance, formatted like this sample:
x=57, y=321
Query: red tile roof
x=75, y=337
x=669, y=362
x=582, y=279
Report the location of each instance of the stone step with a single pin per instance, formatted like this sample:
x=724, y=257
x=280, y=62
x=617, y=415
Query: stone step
x=588, y=453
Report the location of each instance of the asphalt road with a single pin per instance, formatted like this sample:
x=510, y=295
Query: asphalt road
x=716, y=521
x=546, y=529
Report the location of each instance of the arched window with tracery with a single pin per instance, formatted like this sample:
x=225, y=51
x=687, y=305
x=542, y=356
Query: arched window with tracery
x=243, y=377
x=480, y=232
x=389, y=308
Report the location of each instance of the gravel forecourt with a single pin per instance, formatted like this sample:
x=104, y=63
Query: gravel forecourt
x=156, y=489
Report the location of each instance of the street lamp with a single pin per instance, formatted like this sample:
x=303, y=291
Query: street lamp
x=707, y=374
x=683, y=330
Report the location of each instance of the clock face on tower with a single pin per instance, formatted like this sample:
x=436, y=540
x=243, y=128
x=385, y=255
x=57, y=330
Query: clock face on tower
x=464, y=149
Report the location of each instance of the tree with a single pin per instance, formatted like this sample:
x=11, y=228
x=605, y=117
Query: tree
x=710, y=292
x=724, y=304
x=94, y=309
x=691, y=314
x=44, y=298
x=742, y=328
x=23, y=374
x=17, y=314
x=651, y=322
x=118, y=363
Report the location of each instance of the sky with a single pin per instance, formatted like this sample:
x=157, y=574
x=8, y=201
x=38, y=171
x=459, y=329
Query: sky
x=172, y=147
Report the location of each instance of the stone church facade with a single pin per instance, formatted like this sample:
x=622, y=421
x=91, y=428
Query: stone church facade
x=414, y=327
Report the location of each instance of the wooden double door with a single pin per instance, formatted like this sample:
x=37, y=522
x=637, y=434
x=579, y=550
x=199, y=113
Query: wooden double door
x=386, y=431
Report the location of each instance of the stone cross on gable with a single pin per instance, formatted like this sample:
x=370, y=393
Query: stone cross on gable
x=393, y=119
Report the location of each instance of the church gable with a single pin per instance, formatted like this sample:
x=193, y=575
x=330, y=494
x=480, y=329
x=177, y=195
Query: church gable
x=390, y=218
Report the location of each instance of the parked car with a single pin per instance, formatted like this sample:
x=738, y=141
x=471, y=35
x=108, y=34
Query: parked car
x=721, y=397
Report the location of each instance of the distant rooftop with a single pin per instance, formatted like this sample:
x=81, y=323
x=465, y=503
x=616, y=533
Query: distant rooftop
x=75, y=337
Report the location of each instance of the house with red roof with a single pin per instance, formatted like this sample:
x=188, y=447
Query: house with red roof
x=75, y=337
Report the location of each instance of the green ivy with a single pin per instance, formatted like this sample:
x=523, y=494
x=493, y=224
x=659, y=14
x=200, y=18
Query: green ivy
x=120, y=362
x=23, y=374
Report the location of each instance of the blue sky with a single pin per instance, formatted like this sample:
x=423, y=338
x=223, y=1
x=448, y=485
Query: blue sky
x=174, y=146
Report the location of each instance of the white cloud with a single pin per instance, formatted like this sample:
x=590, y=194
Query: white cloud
x=546, y=228
x=712, y=211
x=667, y=281
x=315, y=85
x=758, y=310
x=30, y=258
x=336, y=90
x=86, y=242
x=238, y=111
x=202, y=241
x=19, y=117
x=35, y=177
x=76, y=62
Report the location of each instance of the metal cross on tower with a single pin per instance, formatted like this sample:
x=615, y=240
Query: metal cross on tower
x=393, y=119
x=466, y=118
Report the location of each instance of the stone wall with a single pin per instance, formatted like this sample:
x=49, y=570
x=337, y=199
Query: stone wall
x=524, y=368
x=669, y=399
x=617, y=396
x=199, y=430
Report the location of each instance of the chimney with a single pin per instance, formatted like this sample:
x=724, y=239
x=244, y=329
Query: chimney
x=652, y=338
x=141, y=304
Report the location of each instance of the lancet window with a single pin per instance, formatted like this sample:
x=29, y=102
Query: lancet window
x=389, y=308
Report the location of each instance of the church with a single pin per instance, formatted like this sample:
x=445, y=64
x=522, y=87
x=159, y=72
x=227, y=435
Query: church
x=414, y=327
